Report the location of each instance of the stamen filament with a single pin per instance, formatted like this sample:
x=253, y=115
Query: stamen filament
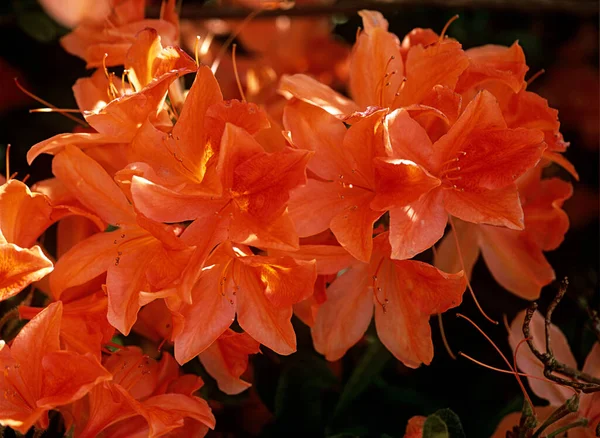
x=462, y=264
x=235, y=72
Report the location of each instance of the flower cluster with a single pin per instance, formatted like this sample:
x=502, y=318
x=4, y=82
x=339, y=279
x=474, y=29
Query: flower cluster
x=206, y=223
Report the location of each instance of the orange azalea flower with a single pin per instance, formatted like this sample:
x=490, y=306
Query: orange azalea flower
x=380, y=76
x=141, y=256
x=260, y=290
x=589, y=404
x=515, y=258
x=84, y=327
x=114, y=110
x=38, y=376
x=404, y=293
x=249, y=207
x=501, y=70
x=144, y=398
x=349, y=176
x=114, y=33
x=24, y=216
x=477, y=161
x=225, y=360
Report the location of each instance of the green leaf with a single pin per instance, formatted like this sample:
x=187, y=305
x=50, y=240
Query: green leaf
x=452, y=422
x=435, y=427
x=38, y=25
x=443, y=424
x=366, y=371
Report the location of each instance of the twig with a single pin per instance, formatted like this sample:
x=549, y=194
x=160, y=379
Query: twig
x=581, y=381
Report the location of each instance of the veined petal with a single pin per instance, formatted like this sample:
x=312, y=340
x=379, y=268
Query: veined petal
x=411, y=292
x=68, y=376
x=311, y=91
x=407, y=139
x=417, y=226
x=287, y=281
x=227, y=358
x=94, y=188
x=24, y=215
x=19, y=267
x=426, y=67
x=446, y=257
x=269, y=325
x=500, y=207
x=209, y=315
x=400, y=182
x=330, y=258
x=343, y=319
x=515, y=262
x=376, y=67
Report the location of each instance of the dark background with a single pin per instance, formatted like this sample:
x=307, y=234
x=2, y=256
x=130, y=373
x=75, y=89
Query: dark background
x=297, y=395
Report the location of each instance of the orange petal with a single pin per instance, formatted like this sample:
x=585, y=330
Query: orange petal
x=408, y=140
x=89, y=259
x=563, y=162
x=324, y=197
x=125, y=280
x=20, y=268
x=24, y=215
x=400, y=182
x=375, y=55
x=491, y=63
x=68, y=376
x=189, y=136
x=269, y=325
x=92, y=186
x=344, y=318
x=446, y=257
x=287, y=280
x=529, y=364
x=417, y=226
x=545, y=222
x=426, y=67
x=500, y=207
x=166, y=412
x=227, y=359
x=315, y=93
x=82, y=140
x=515, y=262
x=278, y=234
x=413, y=291
x=314, y=129
x=330, y=258
x=207, y=318
x=353, y=227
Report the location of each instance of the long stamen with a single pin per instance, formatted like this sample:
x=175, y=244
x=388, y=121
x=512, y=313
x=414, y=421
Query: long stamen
x=48, y=104
x=462, y=264
x=215, y=65
x=196, y=50
x=535, y=76
x=445, y=29
x=514, y=371
x=444, y=339
x=235, y=72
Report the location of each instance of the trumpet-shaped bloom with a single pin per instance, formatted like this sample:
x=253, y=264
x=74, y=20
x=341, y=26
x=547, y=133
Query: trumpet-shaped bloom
x=477, y=162
x=260, y=290
x=404, y=294
x=515, y=258
x=140, y=256
x=145, y=398
x=351, y=173
x=39, y=376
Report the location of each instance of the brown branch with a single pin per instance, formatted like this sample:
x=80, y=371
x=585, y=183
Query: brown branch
x=198, y=11
x=581, y=381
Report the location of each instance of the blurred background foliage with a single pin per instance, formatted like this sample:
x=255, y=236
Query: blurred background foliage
x=368, y=393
